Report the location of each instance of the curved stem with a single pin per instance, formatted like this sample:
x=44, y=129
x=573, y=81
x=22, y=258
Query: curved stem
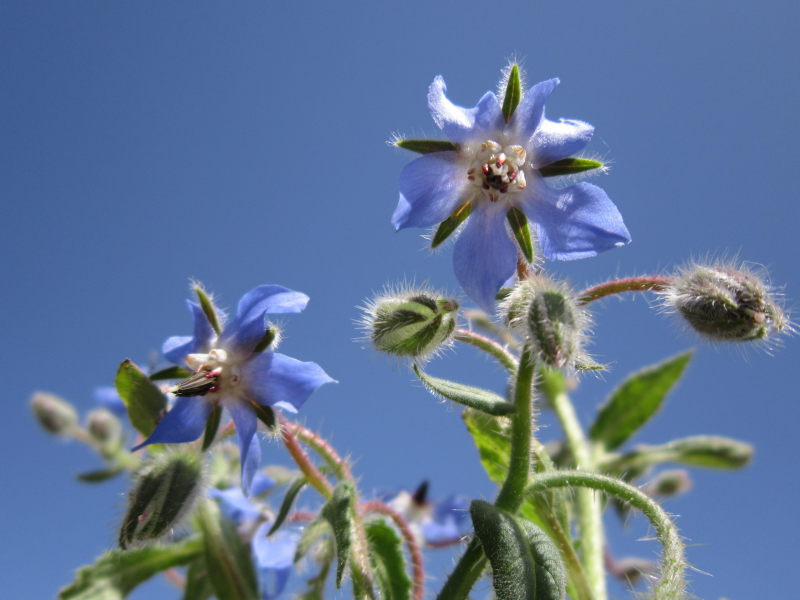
x=413, y=547
x=321, y=447
x=671, y=584
x=618, y=286
x=315, y=478
x=488, y=345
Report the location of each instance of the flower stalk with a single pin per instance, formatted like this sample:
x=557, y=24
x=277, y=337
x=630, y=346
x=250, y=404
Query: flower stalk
x=619, y=286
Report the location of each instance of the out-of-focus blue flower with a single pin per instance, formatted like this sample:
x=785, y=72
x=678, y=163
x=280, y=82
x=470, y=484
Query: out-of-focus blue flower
x=274, y=558
x=235, y=506
x=436, y=523
x=228, y=371
x=107, y=397
x=496, y=167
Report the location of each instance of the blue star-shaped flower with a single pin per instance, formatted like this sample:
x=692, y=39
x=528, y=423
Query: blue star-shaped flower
x=496, y=167
x=230, y=372
x=437, y=523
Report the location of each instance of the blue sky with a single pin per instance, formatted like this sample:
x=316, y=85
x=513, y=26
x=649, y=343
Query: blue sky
x=148, y=143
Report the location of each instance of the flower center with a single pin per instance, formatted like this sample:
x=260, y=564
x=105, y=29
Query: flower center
x=498, y=170
x=212, y=372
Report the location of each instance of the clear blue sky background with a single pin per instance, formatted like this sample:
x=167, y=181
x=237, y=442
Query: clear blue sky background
x=147, y=143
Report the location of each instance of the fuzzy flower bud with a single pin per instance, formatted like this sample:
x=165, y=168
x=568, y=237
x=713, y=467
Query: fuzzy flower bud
x=545, y=315
x=165, y=490
x=414, y=322
x=669, y=484
x=54, y=414
x=104, y=426
x=725, y=304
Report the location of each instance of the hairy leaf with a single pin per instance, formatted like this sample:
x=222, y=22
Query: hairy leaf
x=386, y=555
x=144, y=401
x=339, y=511
x=294, y=489
x=551, y=576
x=476, y=398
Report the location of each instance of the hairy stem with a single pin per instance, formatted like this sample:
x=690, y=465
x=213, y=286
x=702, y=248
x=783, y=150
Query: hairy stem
x=618, y=286
x=321, y=447
x=671, y=585
x=488, y=345
x=315, y=478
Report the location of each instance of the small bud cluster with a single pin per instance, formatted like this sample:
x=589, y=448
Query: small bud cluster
x=543, y=312
x=413, y=322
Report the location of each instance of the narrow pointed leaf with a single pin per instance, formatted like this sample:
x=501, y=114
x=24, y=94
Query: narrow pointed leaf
x=551, y=576
x=513, y=93
x=170, y=373
x=388, y=564
x=425, y=146
x=100, y=475
x=294, y=489
x=339, y=511
x=116, y=573
x=522, y=232
x=144, y=401
x=477, y=398
x=212, y=425
x=198, y=587
x=208, y=309
x=311, y=534
x=569, y=166
x=266, y=415
x=451, y=223
x=634, y=402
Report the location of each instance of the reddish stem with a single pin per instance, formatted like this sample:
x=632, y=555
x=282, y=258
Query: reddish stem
x=618, y=286
x=301, y=516
x=375, y=506
x=315, y=478
x=321, y=447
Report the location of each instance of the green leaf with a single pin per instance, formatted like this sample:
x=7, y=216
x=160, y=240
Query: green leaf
x=212, y=424
x=229, y=567
x=145, y=403
x=522, y=232
x=266, y=415
x=386, y=555
x=170, y=373
x=339, y=511
x=208, y=309
x=315, y=530
x=492, y=438
x=425, y=146
x=633, y=403
x=451, y=223
x=506, y=546
x=198, y=587
x=116, y=573
x=294, y=489
x=551, y=576
x=477, y=398
x=569, y=166
x=513, y=93
x=100, y=475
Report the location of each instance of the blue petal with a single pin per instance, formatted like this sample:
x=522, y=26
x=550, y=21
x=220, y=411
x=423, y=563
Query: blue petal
x=557, y=140
x=456, y=507
x=261, y=483
x=107, y=397
x=274, y=557
x=244, y=417
x=484, y=256
x=235, y=505
x=176, y=348
x=431, y=188
x=275, y=379
x=530, y=112
x=464, y=124
x=447, y=530
x=184, y=423
x=574, y=222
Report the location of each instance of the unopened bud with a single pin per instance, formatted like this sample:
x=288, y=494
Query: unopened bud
x=54, y=414
x=725, y=304
x=545, y=315
x=165, y=491
x=410, y=322
x=669, y=484
x=104, y=426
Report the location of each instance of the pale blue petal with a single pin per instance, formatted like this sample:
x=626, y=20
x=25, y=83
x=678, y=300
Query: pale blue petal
x=176, y=348
x=441, y=532
x=274, y=378
x=261, y=483
x=108, y=397
x=244, y=417
x=431, y=188
x=464, y=124
x=574, y=222
x=274, y=558
x=450, y=521
x=184, y=423
x=456, y=507
x=241, y=337
x=484, y=256
x=558, y=140
x=272, y=299
x=530, y=112
x=234, y=504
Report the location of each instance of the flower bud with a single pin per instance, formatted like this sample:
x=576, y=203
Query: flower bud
x=165, y=491
x=104, y=426
x=54, y=414
x=669, y=484
x=725, y=304
x=545, y=315
x=410, y=322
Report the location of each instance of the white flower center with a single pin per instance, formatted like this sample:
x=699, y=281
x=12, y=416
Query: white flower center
x=498, y=170
x=218, y=367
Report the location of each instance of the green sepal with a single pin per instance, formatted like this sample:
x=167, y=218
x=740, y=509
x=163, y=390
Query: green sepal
x=198, y=587
x=170, y=373
x=388, y=564
x=212, y=425
x=311, y=534
x=634, y=402
x=268, y=338
x=569, y=166
x=451, y=223
x=513, y=93
x=114, y=574
x=425, y=146
x=522, y=231
x=145, y=403
x=586, y=363
x=294, y=489
x=503, y=293
x=100, y=475
x=339, y=511
x=208, y=309
x=466, y=395
x=266, y=415
x=229, y=567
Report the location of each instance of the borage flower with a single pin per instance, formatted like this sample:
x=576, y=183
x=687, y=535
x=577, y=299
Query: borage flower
x=436, y=523
x=493, y=173
x=238, y=370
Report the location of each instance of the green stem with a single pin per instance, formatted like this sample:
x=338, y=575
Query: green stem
x=671, y=585
x=589, y=508
x=503, y=356
x=618, y=286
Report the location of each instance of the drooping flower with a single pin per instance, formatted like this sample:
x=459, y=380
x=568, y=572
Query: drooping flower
x=233, y=369
x=493, y=175
x=437, y=523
